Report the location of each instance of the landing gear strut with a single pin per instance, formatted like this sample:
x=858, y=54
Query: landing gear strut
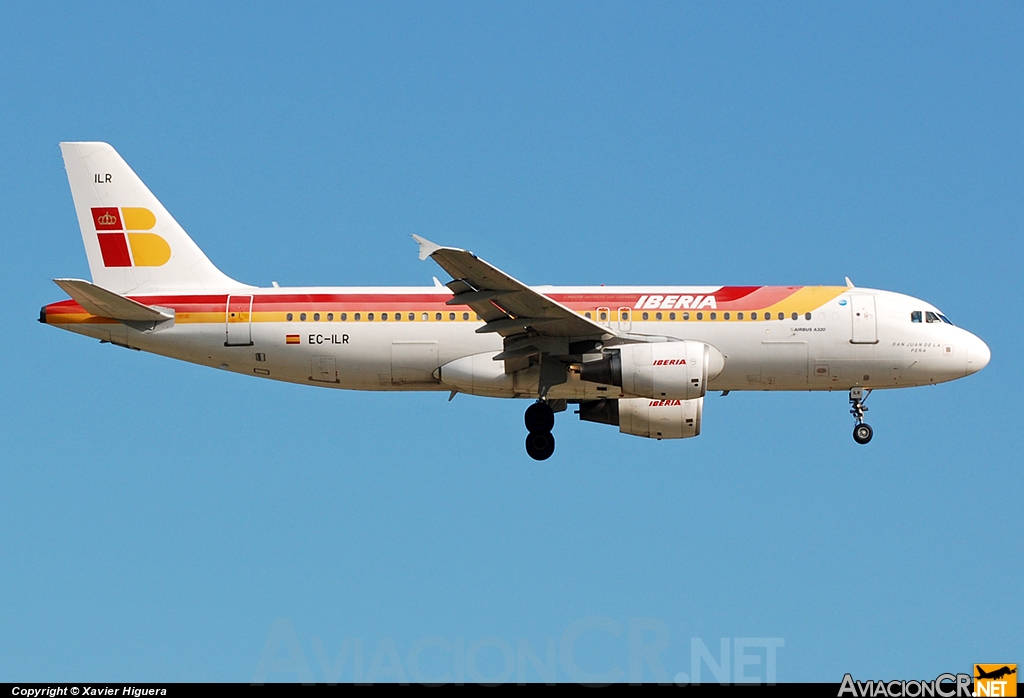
x=540, y=419
x=862, y=432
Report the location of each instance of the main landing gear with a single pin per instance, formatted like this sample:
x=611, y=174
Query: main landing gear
x=862, y=432
x=540, y=419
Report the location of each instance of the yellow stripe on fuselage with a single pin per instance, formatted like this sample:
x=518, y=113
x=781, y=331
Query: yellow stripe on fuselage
x=802, y=301
x=807, y=299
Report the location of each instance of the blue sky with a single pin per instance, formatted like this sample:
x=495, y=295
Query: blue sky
x=162, y=521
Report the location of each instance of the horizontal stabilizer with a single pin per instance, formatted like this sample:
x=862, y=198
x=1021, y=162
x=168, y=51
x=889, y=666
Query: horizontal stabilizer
x=103, y=303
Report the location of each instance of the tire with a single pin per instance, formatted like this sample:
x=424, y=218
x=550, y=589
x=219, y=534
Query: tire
x=862, y=433
x=539, y=418
x=540, y=445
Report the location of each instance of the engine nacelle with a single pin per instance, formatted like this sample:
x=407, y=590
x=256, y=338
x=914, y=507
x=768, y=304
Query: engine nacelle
x=661, y=370
x=653, y=419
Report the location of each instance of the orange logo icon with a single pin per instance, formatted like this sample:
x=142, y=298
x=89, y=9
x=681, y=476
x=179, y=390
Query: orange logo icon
x=995, y=680
x=131, y=249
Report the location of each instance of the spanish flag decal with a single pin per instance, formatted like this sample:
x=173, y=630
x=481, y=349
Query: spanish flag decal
x=291, y=339
x=129, y=249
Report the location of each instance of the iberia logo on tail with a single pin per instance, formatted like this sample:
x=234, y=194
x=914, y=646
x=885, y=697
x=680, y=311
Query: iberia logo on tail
x=132, y=248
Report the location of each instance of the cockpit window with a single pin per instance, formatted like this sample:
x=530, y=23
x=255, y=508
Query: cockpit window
x=915, y=316
x=945, y=319
x=932, y=317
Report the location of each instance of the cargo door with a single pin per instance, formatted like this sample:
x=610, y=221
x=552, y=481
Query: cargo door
x=323, y=369
x=784, y=364
x=413, y=362
x=238, y=321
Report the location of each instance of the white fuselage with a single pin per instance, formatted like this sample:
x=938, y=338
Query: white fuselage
x=436, y=347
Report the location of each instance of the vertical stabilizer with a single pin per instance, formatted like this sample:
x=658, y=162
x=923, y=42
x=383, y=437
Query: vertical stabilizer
x=133, y=244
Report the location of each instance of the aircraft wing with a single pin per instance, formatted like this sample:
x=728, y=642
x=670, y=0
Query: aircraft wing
x=530, y=322
x=509, y=307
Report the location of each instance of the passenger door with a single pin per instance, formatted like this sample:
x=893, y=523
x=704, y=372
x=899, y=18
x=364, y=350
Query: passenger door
x=237, y=321
x=865, y=324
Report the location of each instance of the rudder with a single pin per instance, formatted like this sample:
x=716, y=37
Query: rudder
x=133, y=244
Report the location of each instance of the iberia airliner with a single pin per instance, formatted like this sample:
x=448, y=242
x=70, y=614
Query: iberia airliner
x=640, y=358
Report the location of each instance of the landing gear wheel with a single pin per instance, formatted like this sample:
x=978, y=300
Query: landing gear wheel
x=862, y=433
x=540, y=445
x=539, y=418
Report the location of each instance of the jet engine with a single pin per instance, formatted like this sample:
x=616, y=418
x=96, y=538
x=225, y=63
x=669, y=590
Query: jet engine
x=653, y=419
x=662, y=370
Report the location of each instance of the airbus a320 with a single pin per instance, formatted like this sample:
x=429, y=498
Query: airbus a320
x=641, y=358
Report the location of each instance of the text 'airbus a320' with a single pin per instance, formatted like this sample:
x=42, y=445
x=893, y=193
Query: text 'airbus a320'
x=640, y=358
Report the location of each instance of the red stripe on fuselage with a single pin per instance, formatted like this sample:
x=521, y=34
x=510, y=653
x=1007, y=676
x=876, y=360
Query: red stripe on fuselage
x=727, y=298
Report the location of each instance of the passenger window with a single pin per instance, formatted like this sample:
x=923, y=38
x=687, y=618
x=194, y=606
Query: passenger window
x=726, y=316
x=625, y=317
x=369, y=316
x=330, y=316
x=437, y=316
x=465, y=316
x=425, y=316
x=671, y=316
x=782, y=315
x=739, y=316
x=807, y=316
x=604, y=316
x=412, y=316
x=700, y=316
x=451, y=316
x=587, y=314
x=686, y=316
x=344, y=317
x=316, y=316
x=795, y=316
x=302, y=316
x=931, y=317
x=356, y=318
x=398, y=317
x=915, y=316
x=383, y=316
x=714, y=316
x=657, y=316
x=753, y=316
x=645, y=316
x=288, y=317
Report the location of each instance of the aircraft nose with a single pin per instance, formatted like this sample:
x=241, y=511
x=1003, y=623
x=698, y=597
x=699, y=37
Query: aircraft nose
x=978, y=355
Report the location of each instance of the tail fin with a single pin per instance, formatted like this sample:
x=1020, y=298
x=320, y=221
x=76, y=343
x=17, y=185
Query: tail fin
x=132, y=242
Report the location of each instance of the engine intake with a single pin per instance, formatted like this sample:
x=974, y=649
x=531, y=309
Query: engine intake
x=652, y=419
x=662, y=370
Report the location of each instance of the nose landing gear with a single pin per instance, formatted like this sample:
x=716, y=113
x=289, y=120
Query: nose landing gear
x=862, y=432
x=539, y=419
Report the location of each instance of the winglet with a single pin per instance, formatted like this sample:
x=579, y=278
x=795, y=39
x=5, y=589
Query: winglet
x=427, y=247
x=849, y=284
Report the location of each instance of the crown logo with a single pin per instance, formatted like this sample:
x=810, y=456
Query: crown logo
x=106, y=219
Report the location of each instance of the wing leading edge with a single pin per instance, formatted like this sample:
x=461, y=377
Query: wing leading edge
x=531, y=323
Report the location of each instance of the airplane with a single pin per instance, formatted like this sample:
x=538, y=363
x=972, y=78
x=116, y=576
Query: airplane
x=995, y=674
x=641, y=358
